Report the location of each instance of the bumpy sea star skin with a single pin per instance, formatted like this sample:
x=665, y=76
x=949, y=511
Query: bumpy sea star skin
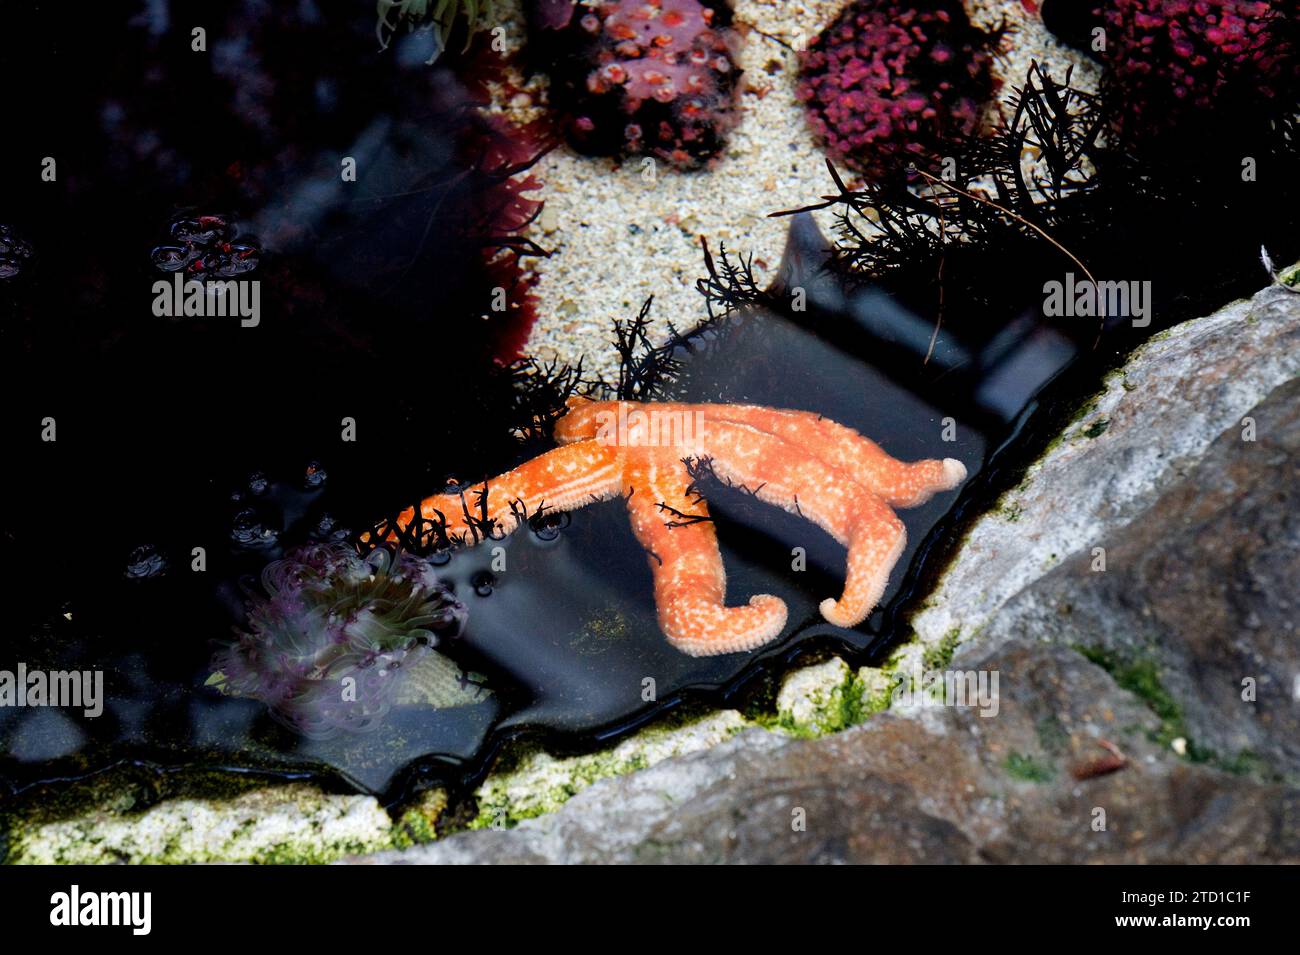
x=690, y=582
x=796, y=460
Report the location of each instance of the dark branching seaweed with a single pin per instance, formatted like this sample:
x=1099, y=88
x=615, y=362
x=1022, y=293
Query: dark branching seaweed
x=524, y=399
x=985, y=195
x=644, y=368
x=1050, y=190
x=537, y=396
x=420, y=535
x=678, y=518
x=1060, y=124
x=730, y=287
x=540, y=393
x=646, y=371
x=700, y=471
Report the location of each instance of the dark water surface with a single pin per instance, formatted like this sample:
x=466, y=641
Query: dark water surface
x=176, y=434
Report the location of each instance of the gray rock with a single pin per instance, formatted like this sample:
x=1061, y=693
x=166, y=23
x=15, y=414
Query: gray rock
x=1197, y=603
x=1143, y=432
x=949, y=786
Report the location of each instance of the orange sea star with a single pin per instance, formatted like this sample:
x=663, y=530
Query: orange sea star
x=645, y=452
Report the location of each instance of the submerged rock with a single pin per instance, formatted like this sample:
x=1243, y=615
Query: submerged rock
x=952, y=787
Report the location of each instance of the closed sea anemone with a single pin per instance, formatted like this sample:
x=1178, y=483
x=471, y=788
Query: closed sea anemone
x=1198, y=69
x=326, y=646
x=888, y=83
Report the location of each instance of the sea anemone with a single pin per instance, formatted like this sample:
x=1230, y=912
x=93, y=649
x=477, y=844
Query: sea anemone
x=643, y=77
x=888, y=83
x=440, y=16
x=327, y=647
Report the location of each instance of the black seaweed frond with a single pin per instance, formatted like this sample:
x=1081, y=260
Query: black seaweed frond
x=730, y=288
x=421, y=535
x=540, y=393
x=999, y=191
x=646, y=371
x=1060, y=124
x=730, y=285
x=681, y=518
x=644, y=368
x=701, y=470
x=481, y=526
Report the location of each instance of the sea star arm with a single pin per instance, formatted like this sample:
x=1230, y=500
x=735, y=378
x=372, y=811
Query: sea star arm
x=559, y=480
x=689, y=580
x=774, y=471
x=897, y=483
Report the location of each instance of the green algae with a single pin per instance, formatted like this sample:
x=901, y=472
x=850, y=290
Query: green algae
x=1140, y=675
x=939, y=655
x=1096, y=429
x=530, y=782
x=835, y=702
x=1028, y=769
x=418, y=823
x=294, y=823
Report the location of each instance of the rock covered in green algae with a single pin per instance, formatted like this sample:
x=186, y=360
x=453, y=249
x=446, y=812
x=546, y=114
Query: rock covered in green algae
x=819, y=699
x=291, y=824
x=540, y=783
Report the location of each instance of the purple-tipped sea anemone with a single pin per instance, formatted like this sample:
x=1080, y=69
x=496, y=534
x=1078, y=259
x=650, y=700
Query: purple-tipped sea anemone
x=326, y=647
x=887, y=83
